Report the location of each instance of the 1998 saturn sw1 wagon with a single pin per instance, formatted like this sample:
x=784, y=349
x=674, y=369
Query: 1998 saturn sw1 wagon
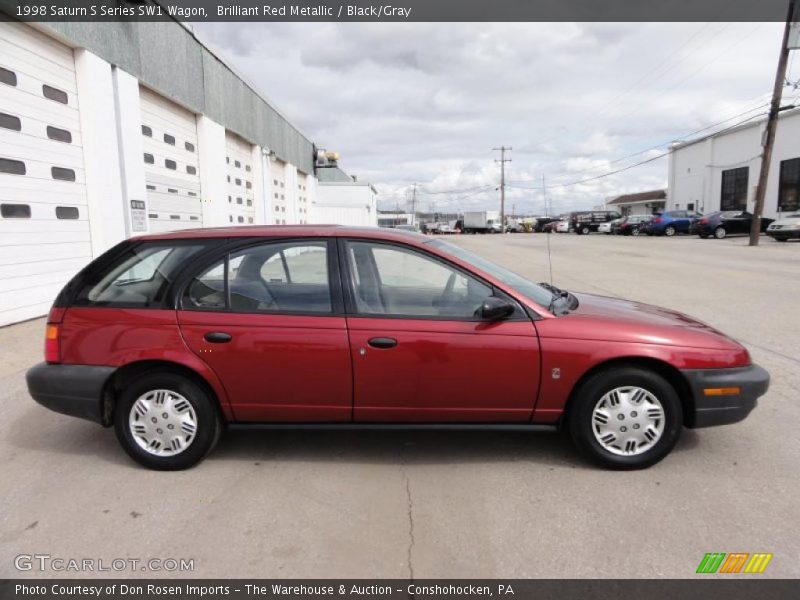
x=172, y=337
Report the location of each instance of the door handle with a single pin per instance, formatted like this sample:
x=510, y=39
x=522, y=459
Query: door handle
x=383, y=342
x=218, y=337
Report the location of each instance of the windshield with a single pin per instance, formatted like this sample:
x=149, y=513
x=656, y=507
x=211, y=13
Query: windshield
x=525, y=287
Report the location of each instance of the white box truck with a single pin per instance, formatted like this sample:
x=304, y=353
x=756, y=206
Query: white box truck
x=487, y=221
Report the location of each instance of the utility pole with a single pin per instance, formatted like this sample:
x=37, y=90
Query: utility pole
x=544, y=197
x=769, y=134
x=503, y=160
x=414, y=204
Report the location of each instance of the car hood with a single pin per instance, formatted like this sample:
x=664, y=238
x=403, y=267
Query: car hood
x=785, y=222
x=616, y=319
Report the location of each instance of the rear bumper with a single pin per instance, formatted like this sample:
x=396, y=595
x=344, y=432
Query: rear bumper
x=709, y=410
x=74, y=390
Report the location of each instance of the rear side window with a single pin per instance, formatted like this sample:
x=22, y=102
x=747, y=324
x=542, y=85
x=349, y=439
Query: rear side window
x=139, y=278
x=276, y=277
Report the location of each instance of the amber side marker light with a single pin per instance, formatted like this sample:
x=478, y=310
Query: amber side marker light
x=51, y=345
x=726, y=391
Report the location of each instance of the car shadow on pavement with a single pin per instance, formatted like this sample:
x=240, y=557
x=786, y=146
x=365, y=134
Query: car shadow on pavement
x=70, y=436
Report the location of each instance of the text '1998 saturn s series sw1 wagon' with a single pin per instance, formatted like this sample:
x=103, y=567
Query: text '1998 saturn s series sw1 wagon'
x=172, y=337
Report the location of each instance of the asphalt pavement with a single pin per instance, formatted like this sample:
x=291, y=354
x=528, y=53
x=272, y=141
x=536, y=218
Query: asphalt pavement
x=441, y=504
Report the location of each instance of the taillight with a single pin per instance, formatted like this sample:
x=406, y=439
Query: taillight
x=703, y=221
x=657, y=220
x=52, y=345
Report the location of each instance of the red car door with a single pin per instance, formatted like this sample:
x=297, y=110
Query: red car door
x=267, y=319
x=419, y=352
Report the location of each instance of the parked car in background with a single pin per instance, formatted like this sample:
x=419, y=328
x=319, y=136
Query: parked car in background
x=407, y=228
x=172, y=338
x=587, y=221
x=671, y=222
x=630, y=225
x=785, y=228
x=445, y=229
x=542, y=222
x=607, y=226
x=562, y=226
x=723, y=223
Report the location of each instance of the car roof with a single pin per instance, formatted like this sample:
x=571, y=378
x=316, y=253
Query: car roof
x=284, y=231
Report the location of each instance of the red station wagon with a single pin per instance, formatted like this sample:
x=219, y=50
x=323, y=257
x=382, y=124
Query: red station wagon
x=172, y=337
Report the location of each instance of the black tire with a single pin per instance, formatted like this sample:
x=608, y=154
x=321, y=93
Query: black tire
x=720, y=233
x=669, y=231
x=585, y=230
x=777, y=239
x=209, y=424
x=580, y=416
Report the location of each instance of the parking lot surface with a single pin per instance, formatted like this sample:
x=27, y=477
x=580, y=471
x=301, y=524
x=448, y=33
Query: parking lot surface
x=442, y=504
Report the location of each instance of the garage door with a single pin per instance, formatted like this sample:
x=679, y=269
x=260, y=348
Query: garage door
x=170, y=164
x=241, y=210
x=302, y=197
x=44, y=220
x=278, y=170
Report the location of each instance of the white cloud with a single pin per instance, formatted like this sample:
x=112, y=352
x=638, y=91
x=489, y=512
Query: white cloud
x=427, y=102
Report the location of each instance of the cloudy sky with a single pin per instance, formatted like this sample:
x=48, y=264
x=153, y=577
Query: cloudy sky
x=427, y=102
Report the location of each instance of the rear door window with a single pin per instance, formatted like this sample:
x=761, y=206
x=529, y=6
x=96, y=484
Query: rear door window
x=276, y=277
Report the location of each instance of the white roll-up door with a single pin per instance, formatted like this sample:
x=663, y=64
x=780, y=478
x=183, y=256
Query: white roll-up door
x=302, y=198
x=238, y=156
x=171, y=166
x=278, y=170
x=44, y=220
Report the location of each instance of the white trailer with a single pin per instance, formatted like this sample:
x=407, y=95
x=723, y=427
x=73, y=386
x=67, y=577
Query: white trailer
x=487, y=221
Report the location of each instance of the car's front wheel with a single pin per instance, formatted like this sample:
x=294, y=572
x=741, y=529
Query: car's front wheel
x=720, y=233
x=669, y=231
x=166, y=421
x=625, y=418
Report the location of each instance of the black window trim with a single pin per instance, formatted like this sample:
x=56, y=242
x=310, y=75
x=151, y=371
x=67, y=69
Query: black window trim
x=178, y=291
x=520, y=312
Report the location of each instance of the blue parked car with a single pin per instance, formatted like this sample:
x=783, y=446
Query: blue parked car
x=671, y=222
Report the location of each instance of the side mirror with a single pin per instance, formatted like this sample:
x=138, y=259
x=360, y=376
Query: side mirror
x=495, y=309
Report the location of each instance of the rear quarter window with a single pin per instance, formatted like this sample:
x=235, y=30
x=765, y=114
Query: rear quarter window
x=138, y=278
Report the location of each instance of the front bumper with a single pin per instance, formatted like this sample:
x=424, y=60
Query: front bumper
x=75, y=390
x=729, y=407
x=784, y=233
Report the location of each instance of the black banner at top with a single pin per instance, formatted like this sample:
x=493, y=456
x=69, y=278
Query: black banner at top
x=397, y=10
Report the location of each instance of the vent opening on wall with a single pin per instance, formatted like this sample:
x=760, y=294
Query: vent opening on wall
x=148, y=131
x=169, y=139
x=189, y=146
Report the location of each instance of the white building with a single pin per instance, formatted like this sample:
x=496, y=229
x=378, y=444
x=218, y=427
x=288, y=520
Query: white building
x=109, y=130
x=640, y=203
x=720, y=171
x=341, y=198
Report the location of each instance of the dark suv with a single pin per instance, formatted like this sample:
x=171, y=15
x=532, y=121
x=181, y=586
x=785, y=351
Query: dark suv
x=588, y=221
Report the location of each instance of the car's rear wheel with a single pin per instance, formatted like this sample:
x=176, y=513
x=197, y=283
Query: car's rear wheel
x=625, y=418
x=669, y=231
x=720, y=233
x=166, y=421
